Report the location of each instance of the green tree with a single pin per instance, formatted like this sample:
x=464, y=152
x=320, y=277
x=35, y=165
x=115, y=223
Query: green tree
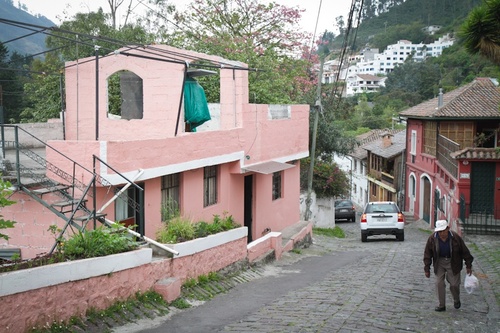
x=11, y=89
x=328, y=179
x=421, y=78
x=412, y=32
x=264, y=36
x=78, y=37
x=481, y=30
x=75, y=38
x=43, y=91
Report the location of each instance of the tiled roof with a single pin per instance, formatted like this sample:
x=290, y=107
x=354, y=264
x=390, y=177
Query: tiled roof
x=478, y=99
x=397, y=147
x=374, y=135
x=477, y=153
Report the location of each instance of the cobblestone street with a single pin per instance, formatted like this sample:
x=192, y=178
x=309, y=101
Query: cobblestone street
x=344, y=285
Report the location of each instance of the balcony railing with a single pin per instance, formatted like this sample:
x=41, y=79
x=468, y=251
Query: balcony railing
x=387, y=178
x=444, y=148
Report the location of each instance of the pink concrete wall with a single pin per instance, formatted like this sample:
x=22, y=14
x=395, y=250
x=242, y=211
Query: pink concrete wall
x=429, y=166
x=30, y=233
x=149, y=144
x=23, y=311
x=277, y=214
x=162, y=83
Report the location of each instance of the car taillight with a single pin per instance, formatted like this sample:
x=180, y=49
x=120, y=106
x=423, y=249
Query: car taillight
x=363, y=218
x=401, y=217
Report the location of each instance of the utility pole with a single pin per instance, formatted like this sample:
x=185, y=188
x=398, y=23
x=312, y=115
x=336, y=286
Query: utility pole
x=317, y=109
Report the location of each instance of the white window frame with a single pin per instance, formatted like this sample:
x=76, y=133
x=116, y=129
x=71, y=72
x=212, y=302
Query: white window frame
x=413, y=142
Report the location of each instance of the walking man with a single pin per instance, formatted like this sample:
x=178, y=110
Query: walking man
x=446, y=251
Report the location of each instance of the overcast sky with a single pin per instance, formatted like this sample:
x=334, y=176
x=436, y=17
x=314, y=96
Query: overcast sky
x=330, y=9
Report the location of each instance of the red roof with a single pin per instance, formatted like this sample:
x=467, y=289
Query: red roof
x=478, y=99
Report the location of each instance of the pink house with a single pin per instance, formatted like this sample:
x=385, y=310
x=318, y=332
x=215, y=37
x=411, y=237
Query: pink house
x=452, y=158
x=141, y=146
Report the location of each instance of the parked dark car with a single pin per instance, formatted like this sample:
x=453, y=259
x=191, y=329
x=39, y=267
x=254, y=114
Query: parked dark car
x=345, y=210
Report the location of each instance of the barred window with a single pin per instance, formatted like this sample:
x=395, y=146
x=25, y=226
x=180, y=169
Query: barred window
x=276, y=185
x=170, y=196
x=430, y=133
x=210, y=185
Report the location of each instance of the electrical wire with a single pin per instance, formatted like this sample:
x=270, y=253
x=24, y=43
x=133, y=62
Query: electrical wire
x=346, y=46
x=315, y=27
x=157, y=51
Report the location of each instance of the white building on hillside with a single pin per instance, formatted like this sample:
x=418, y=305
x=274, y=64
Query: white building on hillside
x=363, y=83
x=369, y=63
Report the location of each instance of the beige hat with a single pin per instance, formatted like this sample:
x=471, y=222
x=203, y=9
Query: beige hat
x=441, y=225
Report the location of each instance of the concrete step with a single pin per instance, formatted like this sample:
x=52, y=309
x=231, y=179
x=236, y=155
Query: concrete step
x=409, y=218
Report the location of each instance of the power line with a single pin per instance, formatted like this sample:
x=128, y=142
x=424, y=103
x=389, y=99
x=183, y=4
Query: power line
x=159, y=53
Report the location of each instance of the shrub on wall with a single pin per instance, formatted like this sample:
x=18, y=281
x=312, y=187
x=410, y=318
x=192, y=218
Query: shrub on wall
x=180, y=229
x=98, y=242
x=5, y=192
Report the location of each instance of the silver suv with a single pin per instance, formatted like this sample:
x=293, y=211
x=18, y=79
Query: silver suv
x=382, y=218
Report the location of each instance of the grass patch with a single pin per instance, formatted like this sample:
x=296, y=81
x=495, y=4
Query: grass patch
x=336, y=232
x=427, y=231
x=119, y=309
x=180, y=303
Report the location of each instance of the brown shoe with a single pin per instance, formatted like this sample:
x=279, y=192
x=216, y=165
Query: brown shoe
x=440, y=308
x=457, y=305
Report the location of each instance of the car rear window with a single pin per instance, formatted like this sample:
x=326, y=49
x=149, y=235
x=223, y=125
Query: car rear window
x=381, y=208
x=343, y=203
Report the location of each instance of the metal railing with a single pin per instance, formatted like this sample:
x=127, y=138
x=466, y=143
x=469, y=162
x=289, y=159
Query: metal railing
x=479, y=220
x=24, y=158
x=445, y=147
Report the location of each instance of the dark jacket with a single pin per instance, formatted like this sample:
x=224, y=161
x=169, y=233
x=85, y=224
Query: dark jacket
x=459, y=253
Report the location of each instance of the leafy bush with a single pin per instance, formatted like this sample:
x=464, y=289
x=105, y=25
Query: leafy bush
x=87, y=244
x=169, y=210
x=175, y=231
x=5, y=192
x=203, y=229
x=98, y=242
x=226, y=223
x=179, y=229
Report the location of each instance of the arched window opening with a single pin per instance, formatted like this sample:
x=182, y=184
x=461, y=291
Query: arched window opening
x=125, y=96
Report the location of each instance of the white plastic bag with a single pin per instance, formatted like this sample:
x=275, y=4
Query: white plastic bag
x=470, y=283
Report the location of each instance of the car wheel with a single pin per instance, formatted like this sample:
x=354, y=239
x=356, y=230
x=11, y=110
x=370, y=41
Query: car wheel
x=364, y=238
x=400, y=237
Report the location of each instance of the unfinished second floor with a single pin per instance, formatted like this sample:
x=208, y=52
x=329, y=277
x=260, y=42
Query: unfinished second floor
x=145, y=108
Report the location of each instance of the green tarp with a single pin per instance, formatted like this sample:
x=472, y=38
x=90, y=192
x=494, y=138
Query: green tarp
x=195, y=104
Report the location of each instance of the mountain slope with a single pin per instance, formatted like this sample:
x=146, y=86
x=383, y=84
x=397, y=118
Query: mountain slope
x=12, y=35
x=449, y=14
